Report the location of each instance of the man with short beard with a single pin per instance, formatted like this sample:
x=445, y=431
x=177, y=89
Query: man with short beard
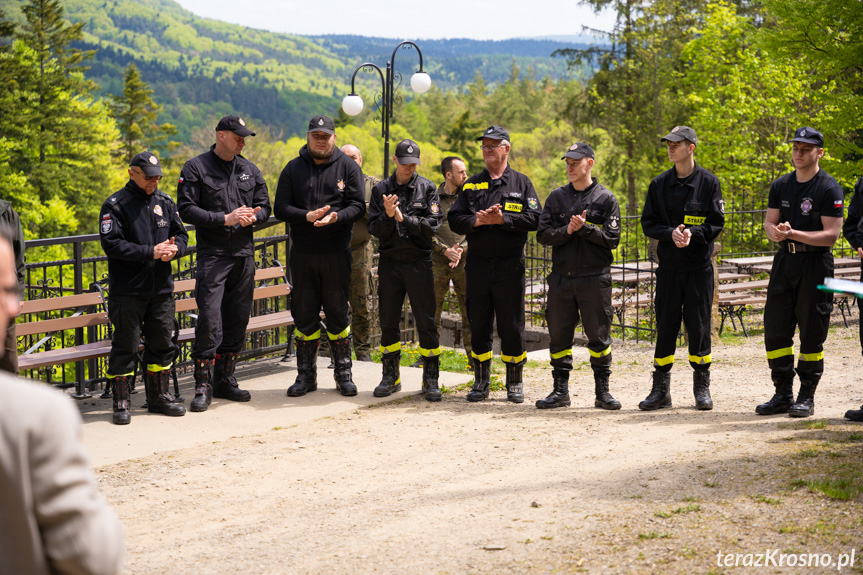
x=320, y=194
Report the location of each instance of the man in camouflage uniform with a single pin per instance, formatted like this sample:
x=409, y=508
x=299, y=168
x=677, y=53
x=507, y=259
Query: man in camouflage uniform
x=361, y=267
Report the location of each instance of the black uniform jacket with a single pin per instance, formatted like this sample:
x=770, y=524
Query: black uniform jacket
x=520, y=206
x=410, y=239
x=803, y=204
x=697, y=204
x=131, y=223
x=305, y=186
x=589, y=250
x=209, y=188
x=851, y=228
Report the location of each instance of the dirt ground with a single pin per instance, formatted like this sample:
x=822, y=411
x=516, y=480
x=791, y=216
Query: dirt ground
x=414, y=487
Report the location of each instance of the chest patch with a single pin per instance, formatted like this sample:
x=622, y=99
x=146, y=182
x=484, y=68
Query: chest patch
x=512, y=207
x=341, y=185
x=693, y=220
x=806, y=206
x=244, y=177
x=157, y=209
x=162, y=223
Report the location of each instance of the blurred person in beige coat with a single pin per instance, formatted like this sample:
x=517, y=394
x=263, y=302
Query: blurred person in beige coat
x=52, y=517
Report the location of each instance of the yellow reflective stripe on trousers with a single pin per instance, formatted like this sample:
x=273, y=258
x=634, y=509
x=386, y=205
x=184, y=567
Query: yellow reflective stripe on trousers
x=560, y=354
x=660, y=361
x=154, y=367
x=701, y=360
x=514, y=358
x=602, y=353
x=429, y=352
x=121, y=375
x=303, y=337
x=777, y=353
x=342, y=335
x=482, y=357
x=812, y=356
x=391, y=348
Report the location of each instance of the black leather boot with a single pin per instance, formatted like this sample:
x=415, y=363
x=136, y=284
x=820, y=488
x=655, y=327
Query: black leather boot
x=854, y=414
x=122, y=402
x=391, y=381
x=781, y=401
x=159, y=398
x=805, y=404
x=225, y=385
x=514, y=383
x=481, y=380
x=660, y=393
x=560, y=396
x=701, y=389
x=431, y=373
x=341, y=350
x=604, y=399
x=307, y=368
x=203, y=385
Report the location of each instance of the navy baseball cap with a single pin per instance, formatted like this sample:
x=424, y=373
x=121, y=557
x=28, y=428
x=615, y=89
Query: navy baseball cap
x=148, y=163
x=234, y=124
x=578, y=151
x=322, y=124
x=408, y=152
x=495, y=133
x=808, y=136
x=679, y=133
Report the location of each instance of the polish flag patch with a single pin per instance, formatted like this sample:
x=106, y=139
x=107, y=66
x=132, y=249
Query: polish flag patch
x=837, y=203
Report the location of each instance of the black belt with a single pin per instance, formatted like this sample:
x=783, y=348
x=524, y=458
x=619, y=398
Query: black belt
x=796, y=248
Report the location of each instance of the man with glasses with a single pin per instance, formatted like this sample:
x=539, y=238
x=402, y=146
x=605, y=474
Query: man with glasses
x=141, y=234
x=685, y=212
x=804, y=216
x=223, y=194
x=495, y=210
x=320, y=194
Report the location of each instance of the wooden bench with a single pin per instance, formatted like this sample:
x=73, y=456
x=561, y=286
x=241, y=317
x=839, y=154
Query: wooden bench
x=52, y=316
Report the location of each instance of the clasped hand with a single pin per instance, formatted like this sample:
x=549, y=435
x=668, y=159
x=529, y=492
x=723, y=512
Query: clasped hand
x=320, y=217
x=243, y=215
x=489, y=217
x=165, y=251
x=681, y=236
x=391, y=205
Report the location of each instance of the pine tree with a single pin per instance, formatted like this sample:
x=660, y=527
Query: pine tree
x=136, y=114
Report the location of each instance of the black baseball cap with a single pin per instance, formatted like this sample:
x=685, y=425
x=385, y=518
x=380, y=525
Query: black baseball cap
x=808, y=136
x=322, y=124
x=148, y=162
x=678, y=133
x=578, y=151
x=495, y=133
x=234, y=124
x=408, y=152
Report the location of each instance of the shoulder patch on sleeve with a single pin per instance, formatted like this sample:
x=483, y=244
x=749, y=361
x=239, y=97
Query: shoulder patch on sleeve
x=107, y=224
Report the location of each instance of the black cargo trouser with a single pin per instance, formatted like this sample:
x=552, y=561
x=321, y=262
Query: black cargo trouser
x=224, y=287
x=584, y=298
x=136, y=315
x=495, y=289
x=793, y=299
x=321, y=281
x=395, y=279
x=686, y=295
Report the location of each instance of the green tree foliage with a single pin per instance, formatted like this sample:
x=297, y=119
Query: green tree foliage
x=55, y=160
x=136, y=115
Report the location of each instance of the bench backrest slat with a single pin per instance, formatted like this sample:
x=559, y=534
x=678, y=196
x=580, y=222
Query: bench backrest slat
x=60, y=303
x=60, y=324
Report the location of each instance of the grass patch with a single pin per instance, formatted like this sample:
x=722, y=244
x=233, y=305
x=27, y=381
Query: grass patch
x=654, y=535
x=843, y=489
x=768, y=500
x=450, y=360
x=692, y=507
x=712, y=483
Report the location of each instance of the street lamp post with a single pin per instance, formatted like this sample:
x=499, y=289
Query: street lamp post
x=353, y=104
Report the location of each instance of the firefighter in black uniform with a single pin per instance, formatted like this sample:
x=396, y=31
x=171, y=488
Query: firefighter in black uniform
x=404, y=214
x=581, y=221
x=685, y=212
x=495, y=210
x=320, y=194
x=804, y=216
x=141, y=234
x=223, y=194
x=852, y=232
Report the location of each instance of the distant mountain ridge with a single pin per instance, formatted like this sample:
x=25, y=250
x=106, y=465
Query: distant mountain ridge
x=201, y=68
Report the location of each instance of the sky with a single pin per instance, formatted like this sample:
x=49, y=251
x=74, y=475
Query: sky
x=475, y=19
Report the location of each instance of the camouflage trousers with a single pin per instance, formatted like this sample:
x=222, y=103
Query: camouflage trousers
x=361, y=271
x=443, y=274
